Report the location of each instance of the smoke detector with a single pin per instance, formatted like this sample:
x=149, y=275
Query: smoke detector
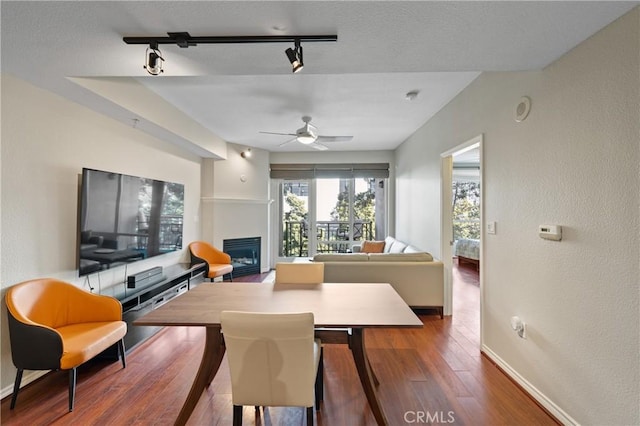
x=412, y=95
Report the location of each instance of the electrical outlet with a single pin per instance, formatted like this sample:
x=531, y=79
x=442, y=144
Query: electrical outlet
x=519, y=327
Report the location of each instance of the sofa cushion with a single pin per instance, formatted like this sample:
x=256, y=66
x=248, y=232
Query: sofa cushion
x=372, y=247
x=412, y=249
x=400, y=257
x=388, y=242
x=397, y=247
x=341, y=257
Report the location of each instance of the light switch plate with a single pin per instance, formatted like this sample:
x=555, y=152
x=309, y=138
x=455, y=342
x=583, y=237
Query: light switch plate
x=491, y=227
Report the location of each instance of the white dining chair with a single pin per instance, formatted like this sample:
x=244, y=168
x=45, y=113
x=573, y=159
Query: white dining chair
x=312, y=273
x=299, y=273
x=274, y=361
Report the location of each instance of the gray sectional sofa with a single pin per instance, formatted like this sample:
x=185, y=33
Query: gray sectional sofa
x=414, y=274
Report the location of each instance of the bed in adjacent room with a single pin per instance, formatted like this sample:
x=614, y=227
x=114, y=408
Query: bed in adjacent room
x=467, y=250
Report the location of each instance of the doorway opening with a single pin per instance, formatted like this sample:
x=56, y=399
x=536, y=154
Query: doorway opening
x=462, y=232
x=465, y=205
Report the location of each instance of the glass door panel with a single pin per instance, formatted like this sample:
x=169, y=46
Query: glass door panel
x=294, y=226
x=333, y=215
x=365, y=209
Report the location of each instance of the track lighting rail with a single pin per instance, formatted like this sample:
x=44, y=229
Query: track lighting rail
x=184, y=39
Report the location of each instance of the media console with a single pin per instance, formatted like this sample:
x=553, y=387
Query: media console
x=150, y=294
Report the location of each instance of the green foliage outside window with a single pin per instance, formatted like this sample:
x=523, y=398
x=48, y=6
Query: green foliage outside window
x=363, y=208
x=466, y=210
x=295, y=232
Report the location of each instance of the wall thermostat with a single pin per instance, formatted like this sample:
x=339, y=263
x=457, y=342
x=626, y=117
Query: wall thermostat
x=550, y=232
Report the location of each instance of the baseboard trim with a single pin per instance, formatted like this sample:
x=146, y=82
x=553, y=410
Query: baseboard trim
x=27, y=378
x=541, y=399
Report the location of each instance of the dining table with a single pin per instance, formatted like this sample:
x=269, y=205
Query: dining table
x=342, y=312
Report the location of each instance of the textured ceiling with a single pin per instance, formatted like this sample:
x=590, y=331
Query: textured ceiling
x=355, y=86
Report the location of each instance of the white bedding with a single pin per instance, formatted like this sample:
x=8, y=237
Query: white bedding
x=468, y=248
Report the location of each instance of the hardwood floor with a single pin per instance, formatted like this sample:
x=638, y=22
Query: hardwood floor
x=432, y=375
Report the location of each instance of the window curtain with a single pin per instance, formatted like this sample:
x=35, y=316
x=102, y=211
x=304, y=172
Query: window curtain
x=331, y=171
x=466, y=174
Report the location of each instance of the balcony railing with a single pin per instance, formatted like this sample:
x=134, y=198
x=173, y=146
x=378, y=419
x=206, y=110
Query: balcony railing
x=331, y=236
x=170, y=233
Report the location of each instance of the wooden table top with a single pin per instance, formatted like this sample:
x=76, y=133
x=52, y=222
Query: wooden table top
x=333, y=304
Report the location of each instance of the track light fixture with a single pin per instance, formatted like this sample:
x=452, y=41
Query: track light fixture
x=154, y=59
x=295, y=57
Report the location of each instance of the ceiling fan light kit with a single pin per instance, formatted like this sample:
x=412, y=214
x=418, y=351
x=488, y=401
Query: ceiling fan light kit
x=306, y=139
x=308, y=135
x=185, y=40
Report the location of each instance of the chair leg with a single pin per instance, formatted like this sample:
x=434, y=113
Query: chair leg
x=121, y=352
x=72, y=387
x=309, y=416
x=16, y=388
x=319, y=386
x=237, y=415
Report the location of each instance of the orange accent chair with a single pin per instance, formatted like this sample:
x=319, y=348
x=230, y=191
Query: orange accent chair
x=54, y=325
x=218, y=262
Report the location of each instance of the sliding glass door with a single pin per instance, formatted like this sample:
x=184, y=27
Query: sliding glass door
x=330, y=215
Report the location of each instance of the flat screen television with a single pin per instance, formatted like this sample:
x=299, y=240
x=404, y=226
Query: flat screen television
x=123, y=219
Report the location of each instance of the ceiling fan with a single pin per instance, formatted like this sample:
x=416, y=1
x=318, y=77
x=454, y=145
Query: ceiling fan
x=308, y=135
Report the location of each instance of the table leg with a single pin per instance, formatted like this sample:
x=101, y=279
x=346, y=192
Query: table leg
x=373, y=373
x=365, y=374
x=341, y=336
x=211, y=359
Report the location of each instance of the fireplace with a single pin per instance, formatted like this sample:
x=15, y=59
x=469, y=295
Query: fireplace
x=245, y=255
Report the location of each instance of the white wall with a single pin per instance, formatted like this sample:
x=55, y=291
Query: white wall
x=573, y=162
x=46, y=142
x=238, y=205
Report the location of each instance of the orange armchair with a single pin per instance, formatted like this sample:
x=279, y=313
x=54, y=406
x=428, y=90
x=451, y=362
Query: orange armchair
x=54, y=325
x=218, y=262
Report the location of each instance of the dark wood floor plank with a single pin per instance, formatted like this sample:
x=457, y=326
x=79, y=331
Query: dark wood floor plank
x=436, y=371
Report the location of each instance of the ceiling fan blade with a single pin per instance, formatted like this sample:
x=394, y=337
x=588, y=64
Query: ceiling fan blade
x=281, y=134
x=322, y=138
x=318, y=146
x=288, y=142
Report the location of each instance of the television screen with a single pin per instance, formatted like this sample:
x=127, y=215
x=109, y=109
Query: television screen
x=125, y=218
